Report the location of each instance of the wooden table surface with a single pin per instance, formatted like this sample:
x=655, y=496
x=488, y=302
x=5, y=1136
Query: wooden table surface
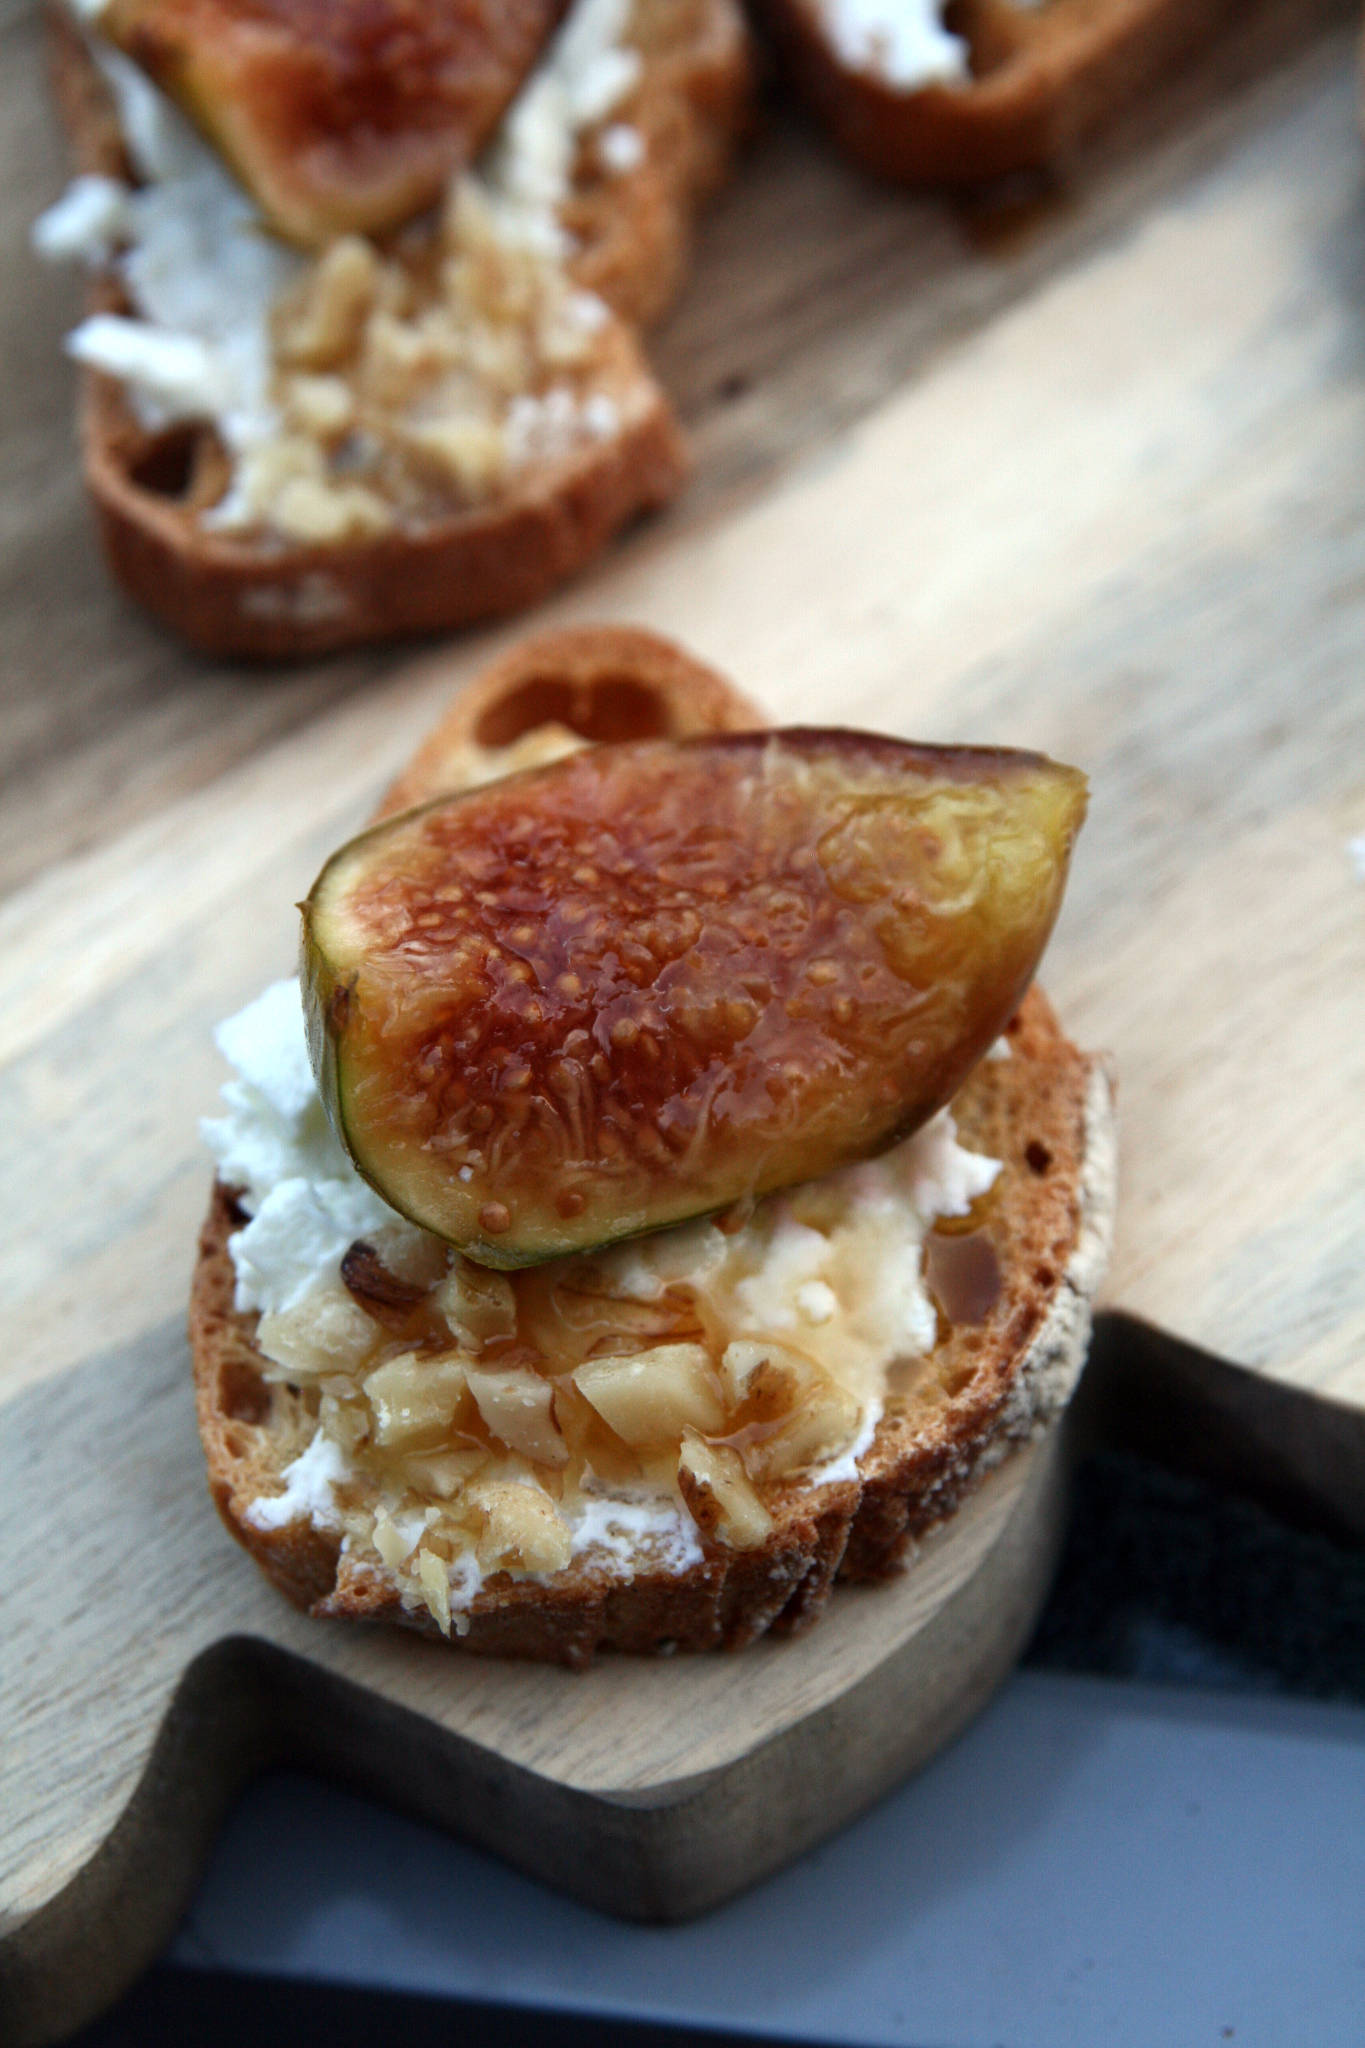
x=1085, y=477
x=1086, y=473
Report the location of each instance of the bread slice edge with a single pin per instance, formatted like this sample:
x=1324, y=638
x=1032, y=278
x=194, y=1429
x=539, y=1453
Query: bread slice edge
x=1068, y=69
x=1044, y=1108
x=255, y=598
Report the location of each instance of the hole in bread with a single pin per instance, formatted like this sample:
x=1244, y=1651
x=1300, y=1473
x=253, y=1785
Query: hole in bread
x=245, y=1396
x=167, y=466
x=1024, y=1324
x=1044, y=1276
x=993, y=35
x=961, y=1376
x=606, y=708
x=1038, y=1157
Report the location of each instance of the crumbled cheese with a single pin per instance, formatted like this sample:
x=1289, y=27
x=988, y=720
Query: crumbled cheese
x=258, y=1150
x=547, y=428
x=465, y=1578
x=275, y=1129
x=839, y=1261
x=172, y=376
x=586, y=312
x=621, y=147
x=586, y=72
x=903, y=42
x=601, y=416
x=203, y=279
x=302, y=1229
x=86, y=224
x=943, y=1178
x=160, y=142
x=430, y=407
x=816, y=1301
x=306, y=1201
x=309, y=1489
x=833, y=1268
x=617, y=1529
x=267, y=1046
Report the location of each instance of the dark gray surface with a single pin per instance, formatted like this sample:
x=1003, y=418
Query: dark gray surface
x=1093, y=1862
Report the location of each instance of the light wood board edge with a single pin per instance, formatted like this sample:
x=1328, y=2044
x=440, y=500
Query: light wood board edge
x=680, y=1848
x=668, y=1854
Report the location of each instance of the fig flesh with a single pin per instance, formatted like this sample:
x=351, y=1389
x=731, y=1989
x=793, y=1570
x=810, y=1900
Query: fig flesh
x=337, y=115
x=653, y=980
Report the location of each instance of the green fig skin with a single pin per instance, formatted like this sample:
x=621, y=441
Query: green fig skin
x=655, y=980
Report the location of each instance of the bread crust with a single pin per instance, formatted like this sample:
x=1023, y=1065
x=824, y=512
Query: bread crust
x=601, y=682
x=255, y=598
x=1043, y=80
x=248, y=598
x=1045, y=1111
x=690, y=109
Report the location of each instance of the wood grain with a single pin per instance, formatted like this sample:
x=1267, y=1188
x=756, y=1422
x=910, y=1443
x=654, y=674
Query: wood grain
x=859, y=289
x=1095, y=486
x=1147, y=559
x=650, y=1788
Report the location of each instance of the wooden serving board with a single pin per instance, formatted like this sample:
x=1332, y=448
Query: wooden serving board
x=1089, y=477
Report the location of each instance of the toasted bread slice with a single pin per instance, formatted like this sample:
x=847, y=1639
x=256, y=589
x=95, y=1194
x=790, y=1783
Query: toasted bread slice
x=1041, y=78
x=633, y=226
x=254, y=598
x=601, y=683
x=447, y=535
x=996, y=1377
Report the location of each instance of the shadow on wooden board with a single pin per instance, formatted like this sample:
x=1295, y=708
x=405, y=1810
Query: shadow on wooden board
x=1296, y=1451
x=245, y=1705
x=220, y=2009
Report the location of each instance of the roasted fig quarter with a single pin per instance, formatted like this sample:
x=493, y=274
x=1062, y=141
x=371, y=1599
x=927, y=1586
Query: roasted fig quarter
x=337, y=114
x=655, y=980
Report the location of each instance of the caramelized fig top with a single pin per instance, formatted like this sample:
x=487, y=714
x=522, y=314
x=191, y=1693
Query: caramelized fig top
x=656, y=979
x=338, y=115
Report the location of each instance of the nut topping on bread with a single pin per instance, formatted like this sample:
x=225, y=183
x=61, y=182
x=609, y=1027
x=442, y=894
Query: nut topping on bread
x=292, y=452
x=657, y=979
x=677, y=1441
x=433, y=427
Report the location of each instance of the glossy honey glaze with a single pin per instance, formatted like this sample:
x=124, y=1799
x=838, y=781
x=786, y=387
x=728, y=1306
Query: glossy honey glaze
x=655, y=979
x=337, y=113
